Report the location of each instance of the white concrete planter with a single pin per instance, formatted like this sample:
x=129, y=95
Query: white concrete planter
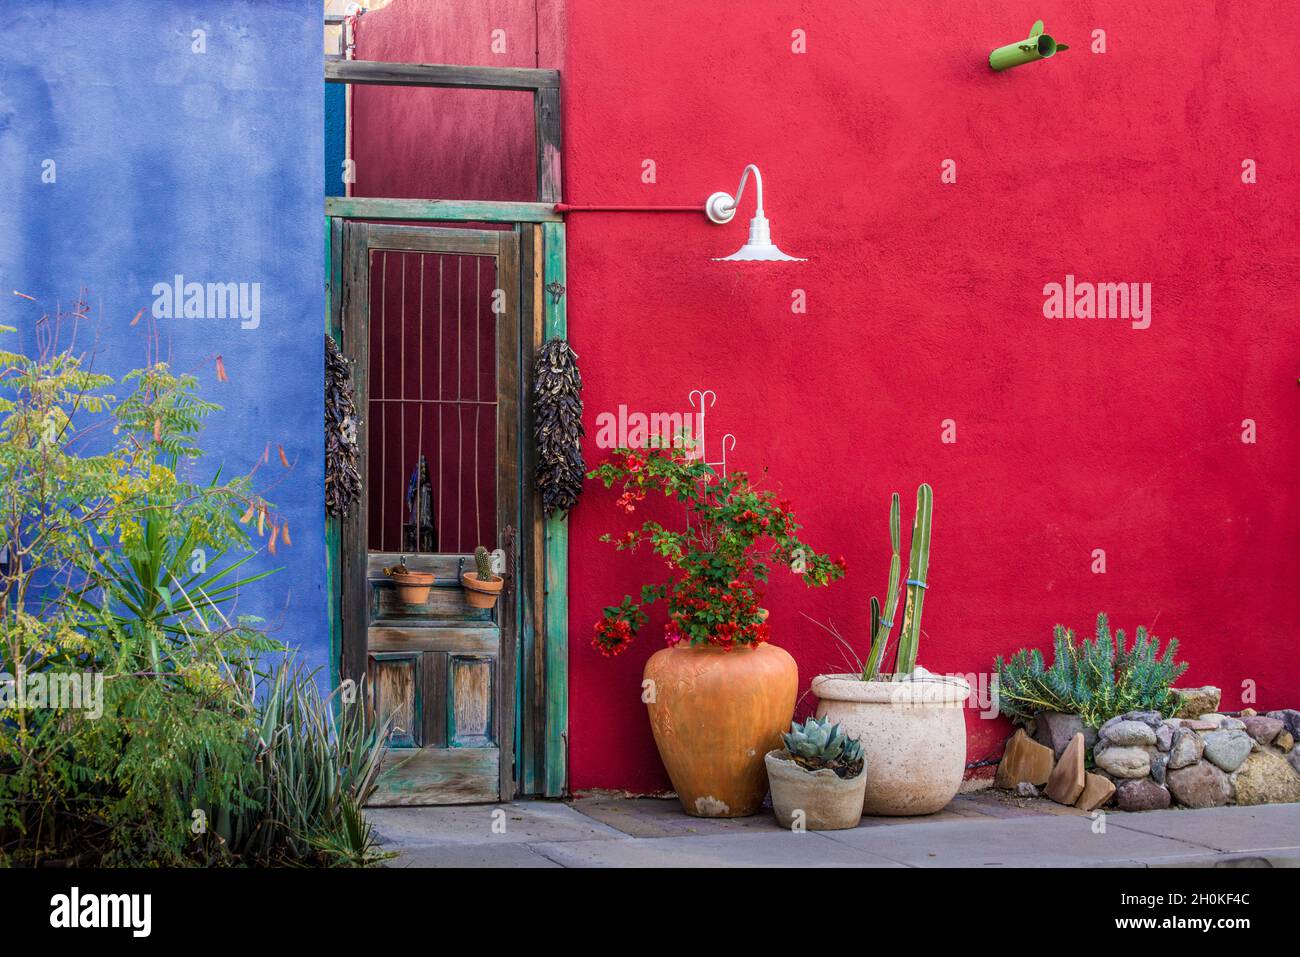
x=913, y=735
x=828, y=801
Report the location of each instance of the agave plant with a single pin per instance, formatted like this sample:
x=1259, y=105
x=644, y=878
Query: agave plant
x=318, y=759
x=818, y=744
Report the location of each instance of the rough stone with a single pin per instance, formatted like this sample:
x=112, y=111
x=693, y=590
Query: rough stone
x=1189, y=702
x=1165, y=735
x=1213, y=718
x=1107, y=725
x=1227, y=749
x=1199, y=785
x=1124, y=762
x=1150, y=718
x=1290, y=719
x=1056, y=730
x=1097, y=790
x=1027, y=790
x=1262, y=729
x=1067, y=781
x=1267, y=778
x=1284, y=741
x=1023, y=760
x=1159, y=761
x=1294, y=759
x=1195, y=724
x=1187, y=749
x=1130, y=734
x=1247, y=713
x=1232, y=724
x=1141, y=794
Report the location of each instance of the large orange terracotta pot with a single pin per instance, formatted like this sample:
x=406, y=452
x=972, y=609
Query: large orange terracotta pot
x=715, y=715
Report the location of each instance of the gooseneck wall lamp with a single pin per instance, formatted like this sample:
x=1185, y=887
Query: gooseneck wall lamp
x=721, y=209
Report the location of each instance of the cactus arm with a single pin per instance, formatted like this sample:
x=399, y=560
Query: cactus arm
x=918, y=566
x=880, y=631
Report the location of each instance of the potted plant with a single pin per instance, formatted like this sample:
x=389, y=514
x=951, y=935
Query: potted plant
x=910, y=722
x=719, y=695
x=412, y=587
x=482, y=588
x=818, y=778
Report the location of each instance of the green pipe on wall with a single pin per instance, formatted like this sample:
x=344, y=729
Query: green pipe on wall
x=1038, y=46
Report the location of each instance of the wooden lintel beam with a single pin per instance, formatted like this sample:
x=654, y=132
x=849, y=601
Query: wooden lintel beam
x=440, y=210
x=372, y=72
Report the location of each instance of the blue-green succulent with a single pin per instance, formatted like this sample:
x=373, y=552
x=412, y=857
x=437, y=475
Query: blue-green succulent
x=818, y=744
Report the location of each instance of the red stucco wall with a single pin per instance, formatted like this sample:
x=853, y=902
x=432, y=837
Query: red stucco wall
x=925, y=303
x=451, y=144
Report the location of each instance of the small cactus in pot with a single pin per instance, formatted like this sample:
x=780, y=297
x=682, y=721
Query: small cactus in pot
x=819, y=779
x=482, y=588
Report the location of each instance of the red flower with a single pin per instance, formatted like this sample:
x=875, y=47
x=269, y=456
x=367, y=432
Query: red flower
x=713, y=559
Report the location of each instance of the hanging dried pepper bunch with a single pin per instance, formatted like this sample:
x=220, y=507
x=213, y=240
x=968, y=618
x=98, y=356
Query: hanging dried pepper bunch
x=558, y=410
x=342, y=480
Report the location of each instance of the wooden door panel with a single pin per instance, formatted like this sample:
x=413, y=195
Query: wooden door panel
x=470, y=682
x=446, y=605
x=419, y=776
x=396, y=696
x=478, y=640
x=441, y=672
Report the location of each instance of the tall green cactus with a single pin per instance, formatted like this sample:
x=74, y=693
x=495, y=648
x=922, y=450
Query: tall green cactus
x=918, y=566
x=880, y=628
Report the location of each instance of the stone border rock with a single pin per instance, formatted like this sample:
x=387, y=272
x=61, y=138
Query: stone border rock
x=1142, y=761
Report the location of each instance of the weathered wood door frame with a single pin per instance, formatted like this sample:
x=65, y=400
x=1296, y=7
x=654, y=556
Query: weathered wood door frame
x=432, y=766
x=542, y=695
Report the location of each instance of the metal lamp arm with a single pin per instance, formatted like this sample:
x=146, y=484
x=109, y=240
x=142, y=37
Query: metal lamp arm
x=758, y=185
x=721, y=207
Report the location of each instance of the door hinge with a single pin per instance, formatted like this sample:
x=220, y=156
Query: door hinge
x=509, y=542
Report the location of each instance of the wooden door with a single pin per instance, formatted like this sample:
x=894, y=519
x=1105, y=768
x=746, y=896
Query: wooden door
x=431, y=322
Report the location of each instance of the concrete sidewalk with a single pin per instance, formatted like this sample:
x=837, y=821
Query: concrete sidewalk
x=985, y=829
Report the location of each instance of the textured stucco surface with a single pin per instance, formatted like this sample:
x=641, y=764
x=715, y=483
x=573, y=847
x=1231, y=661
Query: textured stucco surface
x=924, y=304
x=203, y=164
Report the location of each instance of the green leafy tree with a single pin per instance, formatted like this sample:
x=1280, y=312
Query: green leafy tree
x=120, y=569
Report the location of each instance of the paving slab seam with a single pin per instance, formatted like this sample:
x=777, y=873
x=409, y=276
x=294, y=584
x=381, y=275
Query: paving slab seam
x=544, y=856
x=1183, y=840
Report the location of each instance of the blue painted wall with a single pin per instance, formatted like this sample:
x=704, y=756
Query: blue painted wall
x=204, y=164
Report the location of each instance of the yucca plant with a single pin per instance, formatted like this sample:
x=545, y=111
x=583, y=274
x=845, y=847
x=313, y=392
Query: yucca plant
x=1095, y=679
x=313, y=774
x=817, y=744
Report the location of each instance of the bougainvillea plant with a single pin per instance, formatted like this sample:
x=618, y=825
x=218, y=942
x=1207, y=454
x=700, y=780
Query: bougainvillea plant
x=734, y=535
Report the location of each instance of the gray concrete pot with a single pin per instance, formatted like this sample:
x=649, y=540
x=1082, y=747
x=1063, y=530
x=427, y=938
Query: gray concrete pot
x=828, y=801
x=913, y=733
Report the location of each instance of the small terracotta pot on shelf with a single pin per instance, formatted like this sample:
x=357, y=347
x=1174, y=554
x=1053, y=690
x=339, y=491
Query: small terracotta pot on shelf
x=412, y=587
x=480, y=593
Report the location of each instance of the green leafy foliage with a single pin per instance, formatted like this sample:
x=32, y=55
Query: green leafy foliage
x=184, y=749
x=719, y=563
x=1095, y=679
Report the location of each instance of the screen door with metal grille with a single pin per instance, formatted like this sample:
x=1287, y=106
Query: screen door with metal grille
x=431, y=324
